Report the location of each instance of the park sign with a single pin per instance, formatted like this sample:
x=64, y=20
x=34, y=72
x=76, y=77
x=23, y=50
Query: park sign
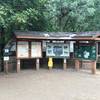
x=85, y=51
x=58, y=50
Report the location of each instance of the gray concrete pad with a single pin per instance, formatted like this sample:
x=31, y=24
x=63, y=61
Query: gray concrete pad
x=50, y=85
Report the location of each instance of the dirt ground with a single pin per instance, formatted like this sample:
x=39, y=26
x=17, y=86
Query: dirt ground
x=50, y=85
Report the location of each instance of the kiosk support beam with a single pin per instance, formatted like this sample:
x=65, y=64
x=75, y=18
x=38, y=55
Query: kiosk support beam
x=64, y=64
x=93, y=67
x=77, y=65
x=18, y=65
x=37, y=64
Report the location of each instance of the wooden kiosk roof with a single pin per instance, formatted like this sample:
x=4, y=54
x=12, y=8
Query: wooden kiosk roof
x=57, y=35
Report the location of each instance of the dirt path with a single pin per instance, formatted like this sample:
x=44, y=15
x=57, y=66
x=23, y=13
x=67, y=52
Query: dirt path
x=50, y=85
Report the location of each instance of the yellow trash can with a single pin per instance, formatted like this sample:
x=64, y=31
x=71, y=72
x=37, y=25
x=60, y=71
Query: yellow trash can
x=50, y=63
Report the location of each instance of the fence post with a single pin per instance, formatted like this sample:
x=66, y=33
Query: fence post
x=6, y=67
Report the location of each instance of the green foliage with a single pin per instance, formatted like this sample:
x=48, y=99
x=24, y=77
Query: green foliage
x=49, y=15
x=22, y=15
x=72, y=15
x=5, y=12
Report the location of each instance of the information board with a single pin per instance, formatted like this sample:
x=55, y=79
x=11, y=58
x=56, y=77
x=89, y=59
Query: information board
x=85, y=51
x=58, y=50
x=22, y=50
x=36, y=51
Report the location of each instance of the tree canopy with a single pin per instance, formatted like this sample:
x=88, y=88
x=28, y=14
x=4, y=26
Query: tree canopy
x=49, y=15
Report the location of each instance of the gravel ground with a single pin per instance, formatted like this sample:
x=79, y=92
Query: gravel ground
x=50, y=85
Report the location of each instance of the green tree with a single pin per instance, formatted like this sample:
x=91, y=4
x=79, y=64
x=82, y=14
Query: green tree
x=22, y=15
x=74, y=15
x=49, y=15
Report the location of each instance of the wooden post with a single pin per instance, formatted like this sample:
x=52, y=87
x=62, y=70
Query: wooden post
x=77, y=65
x=64, y=64
x=93, y=67
x=18, y=65
x=37, y=64
x=6, y=67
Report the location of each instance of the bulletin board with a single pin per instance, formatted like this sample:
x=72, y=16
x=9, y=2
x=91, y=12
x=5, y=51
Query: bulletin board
x=58, y=50
x=36, y=50
x=85, y=51
x=22, y=49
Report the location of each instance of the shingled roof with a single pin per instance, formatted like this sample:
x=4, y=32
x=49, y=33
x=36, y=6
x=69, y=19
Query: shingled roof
x=44, y=35
x=88, y=34
x=57, y=35
x=34, y=33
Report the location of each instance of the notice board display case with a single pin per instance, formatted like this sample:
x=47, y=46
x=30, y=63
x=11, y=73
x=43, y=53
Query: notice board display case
x=85, y=51
x=28, y=50
x=58, y=50
x=22, y=49
x=36, y=50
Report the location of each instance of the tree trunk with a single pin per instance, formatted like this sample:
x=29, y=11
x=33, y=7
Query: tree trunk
x=2, y=43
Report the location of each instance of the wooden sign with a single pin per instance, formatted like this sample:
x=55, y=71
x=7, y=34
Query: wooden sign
x=85, y=51
x=22, y=50
x=58, y=50
x=6, y=58
x=36, y=51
